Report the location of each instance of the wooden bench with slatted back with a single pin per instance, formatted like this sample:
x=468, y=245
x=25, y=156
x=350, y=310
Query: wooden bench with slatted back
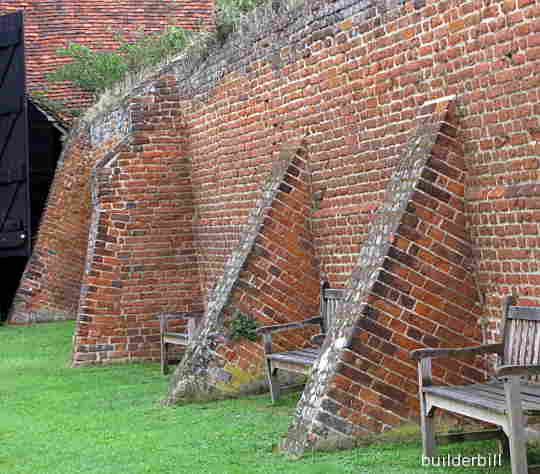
x=180, y=338
x=508, y=400
x=300, y=360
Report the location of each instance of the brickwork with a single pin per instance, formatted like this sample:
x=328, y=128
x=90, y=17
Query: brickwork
x=279, y=282
x=351, y=77
x=411, y=288
x=272, y=277
x=141, y=258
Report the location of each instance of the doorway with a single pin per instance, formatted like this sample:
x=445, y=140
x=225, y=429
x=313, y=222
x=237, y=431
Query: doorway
x=45, y=138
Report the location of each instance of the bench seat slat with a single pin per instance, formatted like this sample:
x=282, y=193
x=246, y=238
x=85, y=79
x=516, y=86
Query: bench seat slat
x=334, y=294
x=487, y=396
x=308, y=351
x=467, y=394
x=530, y=393
x=495, y=392
x=176, y=338
x=311, y=350
x=300, y=360
x=299, y=356
x=173, y=334
x=527, y=313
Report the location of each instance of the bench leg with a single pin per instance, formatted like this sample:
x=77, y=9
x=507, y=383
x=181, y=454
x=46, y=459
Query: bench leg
x=273, y=381
x=427, y=424
x=504, y=445
x=427, y=420
x=516, y=429
x=164, y=359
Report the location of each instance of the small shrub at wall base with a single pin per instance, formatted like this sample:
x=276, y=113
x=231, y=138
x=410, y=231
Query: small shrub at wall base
x=243, y=327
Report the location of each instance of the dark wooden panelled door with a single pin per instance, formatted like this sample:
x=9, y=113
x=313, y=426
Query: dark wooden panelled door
x=14, y=169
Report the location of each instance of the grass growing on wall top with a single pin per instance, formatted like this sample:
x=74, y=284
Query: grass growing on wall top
x=96, y=70
x=109, y=75
x=55, y=419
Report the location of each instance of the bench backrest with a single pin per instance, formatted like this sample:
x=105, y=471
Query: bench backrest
x=330, y=298
x=192, y=322
x=521, y=333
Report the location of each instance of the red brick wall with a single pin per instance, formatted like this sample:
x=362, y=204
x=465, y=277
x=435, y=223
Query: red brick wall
x=231, y=157
x=412, y=288
x=359, y=122
x=279, y=282
x=271, y=276
x=357, y=90
x=142, y=259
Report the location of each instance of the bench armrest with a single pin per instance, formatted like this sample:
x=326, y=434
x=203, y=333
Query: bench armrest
x=180, y=315
x=505, y=370
x=294, y=325
x=164, y=318
x=419, y=354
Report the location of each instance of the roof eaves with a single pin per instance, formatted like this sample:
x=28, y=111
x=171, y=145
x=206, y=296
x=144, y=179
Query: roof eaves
x=61, y=123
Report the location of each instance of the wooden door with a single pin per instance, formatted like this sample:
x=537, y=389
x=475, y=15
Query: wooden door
x=14, y=166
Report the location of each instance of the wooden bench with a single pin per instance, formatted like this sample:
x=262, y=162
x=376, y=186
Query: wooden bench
x=173, y=337
x=300, y=360
x=507, y=401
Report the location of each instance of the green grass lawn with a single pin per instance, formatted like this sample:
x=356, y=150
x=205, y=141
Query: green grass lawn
x=55, y=419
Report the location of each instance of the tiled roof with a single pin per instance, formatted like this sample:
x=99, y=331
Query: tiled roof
x=52, y=24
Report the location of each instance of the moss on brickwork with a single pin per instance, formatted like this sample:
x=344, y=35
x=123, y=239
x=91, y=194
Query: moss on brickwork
x=242, y=381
